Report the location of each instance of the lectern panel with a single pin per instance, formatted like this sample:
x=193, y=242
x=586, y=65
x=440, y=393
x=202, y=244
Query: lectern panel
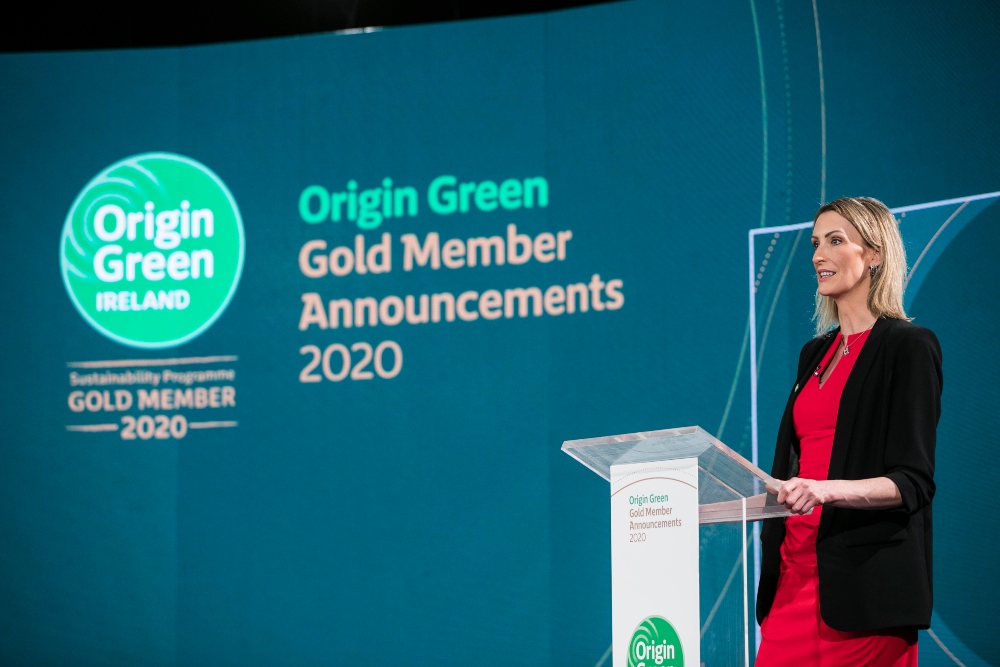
x=724, y=477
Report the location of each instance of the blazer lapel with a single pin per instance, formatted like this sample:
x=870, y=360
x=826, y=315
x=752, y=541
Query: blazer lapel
x=814, y=362
x=787, y=441
x=849, y=405
x=811, y=366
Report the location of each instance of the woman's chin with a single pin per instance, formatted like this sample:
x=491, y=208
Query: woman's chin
x=825, y=289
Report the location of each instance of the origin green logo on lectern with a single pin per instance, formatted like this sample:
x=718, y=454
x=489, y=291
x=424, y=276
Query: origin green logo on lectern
x=655, y=643
x=152, y=250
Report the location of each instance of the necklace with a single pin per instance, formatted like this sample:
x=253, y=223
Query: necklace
x=821, y=370
x=848, y=342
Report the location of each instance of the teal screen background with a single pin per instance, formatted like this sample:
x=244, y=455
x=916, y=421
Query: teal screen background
x=431, y=518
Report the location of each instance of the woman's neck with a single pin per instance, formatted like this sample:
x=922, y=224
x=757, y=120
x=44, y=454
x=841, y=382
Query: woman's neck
x=854, y=317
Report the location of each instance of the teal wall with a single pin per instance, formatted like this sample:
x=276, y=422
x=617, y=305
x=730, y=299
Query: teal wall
x=431, y=518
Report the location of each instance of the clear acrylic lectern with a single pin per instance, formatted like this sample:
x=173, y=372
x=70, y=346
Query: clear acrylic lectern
x=730, y=492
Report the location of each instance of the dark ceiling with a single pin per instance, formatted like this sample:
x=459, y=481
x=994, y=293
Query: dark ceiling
x=42, y=26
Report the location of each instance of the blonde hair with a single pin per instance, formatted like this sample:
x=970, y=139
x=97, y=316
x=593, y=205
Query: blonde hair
x=879, y=231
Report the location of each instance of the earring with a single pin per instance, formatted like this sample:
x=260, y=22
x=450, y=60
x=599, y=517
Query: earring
x=872, y=269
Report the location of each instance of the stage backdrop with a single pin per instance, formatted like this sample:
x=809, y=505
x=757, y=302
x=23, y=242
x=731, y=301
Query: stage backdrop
x=292, y=330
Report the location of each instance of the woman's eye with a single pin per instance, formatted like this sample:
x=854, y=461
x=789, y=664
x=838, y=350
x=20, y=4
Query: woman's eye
x=835, y=241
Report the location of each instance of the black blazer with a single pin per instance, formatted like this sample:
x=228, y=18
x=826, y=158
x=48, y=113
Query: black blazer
x=874, y=565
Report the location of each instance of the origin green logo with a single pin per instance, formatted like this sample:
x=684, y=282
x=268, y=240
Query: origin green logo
x=655, y=642
x=152, y=250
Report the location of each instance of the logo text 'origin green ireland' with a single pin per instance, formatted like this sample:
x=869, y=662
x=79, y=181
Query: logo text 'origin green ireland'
x=152, y=250
x=655, y=644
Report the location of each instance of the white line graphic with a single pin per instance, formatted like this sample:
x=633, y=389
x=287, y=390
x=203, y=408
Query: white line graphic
x=212, y=424
x=93, y=428
x=125, y=363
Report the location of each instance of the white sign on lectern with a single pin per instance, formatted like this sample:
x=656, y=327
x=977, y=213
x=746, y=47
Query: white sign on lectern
x=654, y=550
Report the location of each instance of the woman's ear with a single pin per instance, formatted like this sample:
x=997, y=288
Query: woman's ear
x=876, y=259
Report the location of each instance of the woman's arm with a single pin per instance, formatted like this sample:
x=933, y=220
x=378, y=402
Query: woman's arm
x=801, y=495
x=913, y=410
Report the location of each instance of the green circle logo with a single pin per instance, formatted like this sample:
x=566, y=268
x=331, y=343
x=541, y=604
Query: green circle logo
x=152, y=250
x=655, y=642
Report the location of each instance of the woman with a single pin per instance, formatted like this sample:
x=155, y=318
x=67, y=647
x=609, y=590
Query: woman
x=846, y=580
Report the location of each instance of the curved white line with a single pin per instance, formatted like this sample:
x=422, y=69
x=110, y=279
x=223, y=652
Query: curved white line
x=736, y=377
x=945, y=648
x=930, y=243
x=763, y=111
x=822, y=107
x=607, y=654
x=718, y=601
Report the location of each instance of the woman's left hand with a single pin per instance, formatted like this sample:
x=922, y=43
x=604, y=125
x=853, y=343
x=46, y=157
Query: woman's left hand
x=801, y=495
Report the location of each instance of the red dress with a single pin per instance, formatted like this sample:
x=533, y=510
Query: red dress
x=794, y=632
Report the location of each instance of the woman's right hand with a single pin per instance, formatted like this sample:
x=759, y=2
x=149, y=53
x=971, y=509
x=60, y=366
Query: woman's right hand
x=800, y=495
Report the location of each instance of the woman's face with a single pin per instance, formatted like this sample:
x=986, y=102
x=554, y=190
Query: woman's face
x=840, y=256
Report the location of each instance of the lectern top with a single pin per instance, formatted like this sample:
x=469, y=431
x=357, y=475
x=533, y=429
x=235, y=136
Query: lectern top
x=724, y=477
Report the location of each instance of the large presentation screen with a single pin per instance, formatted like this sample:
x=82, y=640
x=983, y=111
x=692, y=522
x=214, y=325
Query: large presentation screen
x=292, y=330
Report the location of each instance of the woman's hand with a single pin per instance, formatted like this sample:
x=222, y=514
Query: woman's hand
x=801, y=495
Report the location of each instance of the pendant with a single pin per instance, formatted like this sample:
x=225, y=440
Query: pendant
x=846, y=351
